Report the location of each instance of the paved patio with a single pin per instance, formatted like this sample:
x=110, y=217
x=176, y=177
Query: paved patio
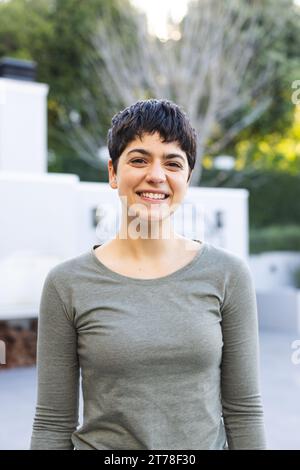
x=280, y=389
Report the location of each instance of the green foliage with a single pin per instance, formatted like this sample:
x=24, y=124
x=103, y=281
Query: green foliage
x=275, y=238
x=273, y=196
x=57, y=35
x=25, y=28
x=71, y=163
x=274, y=124
x=296, y=277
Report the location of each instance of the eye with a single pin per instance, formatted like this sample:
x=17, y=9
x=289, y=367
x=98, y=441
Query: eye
x=176, y=164
x=137, y=160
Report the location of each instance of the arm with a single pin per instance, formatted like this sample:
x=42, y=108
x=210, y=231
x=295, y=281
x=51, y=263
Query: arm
x=56, y=415
x=240, y=388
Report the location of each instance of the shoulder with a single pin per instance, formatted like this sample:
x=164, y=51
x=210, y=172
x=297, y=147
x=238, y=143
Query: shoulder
x=229, y=266
x=226, y=258
x=66, y=271
x=237, y=281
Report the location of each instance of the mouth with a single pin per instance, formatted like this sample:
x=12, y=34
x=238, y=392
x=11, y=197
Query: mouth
x=154, y=198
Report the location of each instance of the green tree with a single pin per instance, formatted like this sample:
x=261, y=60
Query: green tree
x=272, y=141
x=57, y=35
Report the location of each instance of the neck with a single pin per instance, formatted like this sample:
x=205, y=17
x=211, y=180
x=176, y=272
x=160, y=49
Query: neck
x=143, y=240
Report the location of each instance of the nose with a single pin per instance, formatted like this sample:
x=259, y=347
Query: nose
x=156, y=173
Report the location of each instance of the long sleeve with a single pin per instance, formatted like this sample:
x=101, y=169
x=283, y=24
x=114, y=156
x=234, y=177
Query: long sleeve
x=240, y=381
x=56, y=415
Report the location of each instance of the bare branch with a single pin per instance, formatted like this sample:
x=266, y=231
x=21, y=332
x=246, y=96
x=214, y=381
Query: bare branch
x=209, y=71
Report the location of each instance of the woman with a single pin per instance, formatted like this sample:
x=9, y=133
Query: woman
x=162, y=328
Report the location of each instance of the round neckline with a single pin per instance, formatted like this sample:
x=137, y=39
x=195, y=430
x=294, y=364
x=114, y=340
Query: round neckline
x=103, y=268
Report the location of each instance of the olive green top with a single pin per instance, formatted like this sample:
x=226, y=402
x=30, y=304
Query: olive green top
x=166, y=363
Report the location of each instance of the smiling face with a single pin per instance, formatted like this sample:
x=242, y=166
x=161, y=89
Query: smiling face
x=148, y=165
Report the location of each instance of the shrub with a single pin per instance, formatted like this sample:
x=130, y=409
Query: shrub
x=275, y=238
x=273, y=196
x=296, y=277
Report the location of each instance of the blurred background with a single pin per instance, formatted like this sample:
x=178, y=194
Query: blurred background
x=66, y=67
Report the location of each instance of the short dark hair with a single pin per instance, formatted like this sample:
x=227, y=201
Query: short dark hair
x=147, y=117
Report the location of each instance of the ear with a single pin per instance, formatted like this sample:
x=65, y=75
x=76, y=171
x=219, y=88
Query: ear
x=111, y=174
x=189, y=178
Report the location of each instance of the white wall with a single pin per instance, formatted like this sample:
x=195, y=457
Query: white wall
x=38, y=229
x=23, y=126
x=274, y=269
x=46, y=219
x=38, y=213
x=196, y=218
x=233, y=206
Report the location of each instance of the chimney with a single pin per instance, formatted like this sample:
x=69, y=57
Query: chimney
x=23, y=118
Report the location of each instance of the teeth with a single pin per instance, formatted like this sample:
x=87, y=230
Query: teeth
x=153, y=196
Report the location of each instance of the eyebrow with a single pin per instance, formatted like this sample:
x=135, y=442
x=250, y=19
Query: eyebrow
x=149, y=154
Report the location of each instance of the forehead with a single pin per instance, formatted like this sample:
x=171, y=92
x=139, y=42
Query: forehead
x=153, y=142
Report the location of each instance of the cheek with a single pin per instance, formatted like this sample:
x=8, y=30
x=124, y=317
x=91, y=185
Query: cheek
x=179, y=186
x=130, y=178
x=127, y=181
